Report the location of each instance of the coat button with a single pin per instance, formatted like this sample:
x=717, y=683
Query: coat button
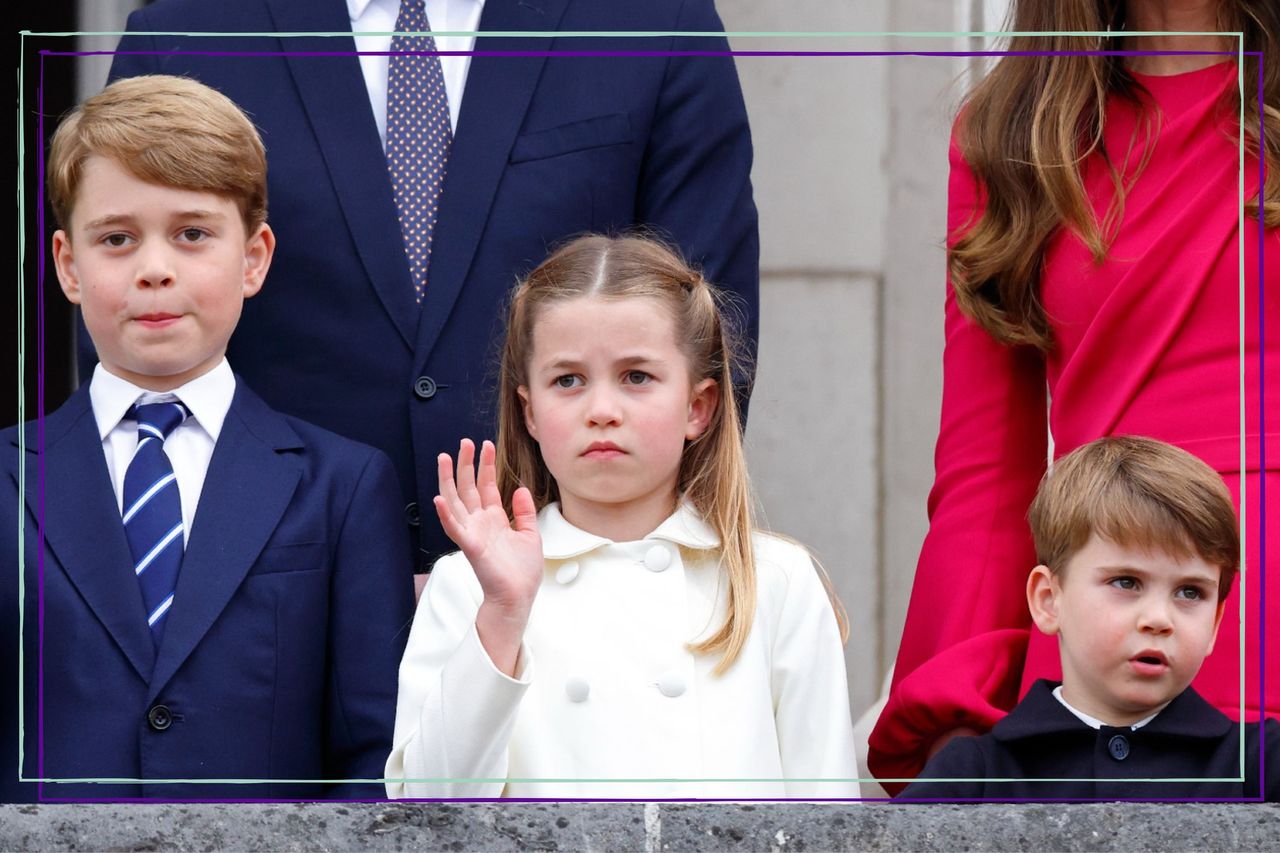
x=159, y=718
x=1118, y=746
x=657, y=558
x=412, y=514
x=577, y=688
x=567, y=573
x=424, y=387
x=671, y=684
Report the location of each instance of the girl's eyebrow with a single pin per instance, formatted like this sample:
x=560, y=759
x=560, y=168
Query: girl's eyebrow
x=631, y=360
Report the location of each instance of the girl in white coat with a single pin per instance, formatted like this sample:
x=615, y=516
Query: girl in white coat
x=628, y=635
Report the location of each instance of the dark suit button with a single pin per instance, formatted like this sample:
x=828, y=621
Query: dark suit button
x=1118, y=746
x=159, y=718
x=412, y=514
x=424, y=387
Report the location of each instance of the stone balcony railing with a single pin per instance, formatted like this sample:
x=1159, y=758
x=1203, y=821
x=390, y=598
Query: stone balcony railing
x=640, y=826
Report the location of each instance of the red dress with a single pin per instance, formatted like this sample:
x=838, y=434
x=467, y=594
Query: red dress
x=1147, y=343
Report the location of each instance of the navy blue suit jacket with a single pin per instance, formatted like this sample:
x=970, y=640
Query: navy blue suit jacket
x=546, y=148
x=280, y=657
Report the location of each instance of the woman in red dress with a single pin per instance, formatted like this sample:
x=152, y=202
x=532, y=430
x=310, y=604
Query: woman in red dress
x=1095, y=250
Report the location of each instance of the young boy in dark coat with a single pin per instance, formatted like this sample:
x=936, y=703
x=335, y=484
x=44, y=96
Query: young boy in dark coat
x=213, y=591
x=1138, y=546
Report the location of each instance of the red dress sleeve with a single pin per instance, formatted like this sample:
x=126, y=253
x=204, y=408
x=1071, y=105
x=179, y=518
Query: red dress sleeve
x=960, y=660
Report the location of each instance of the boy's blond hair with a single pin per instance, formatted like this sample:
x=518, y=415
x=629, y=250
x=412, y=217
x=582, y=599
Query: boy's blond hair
x=165, y=130
x=1138, y=493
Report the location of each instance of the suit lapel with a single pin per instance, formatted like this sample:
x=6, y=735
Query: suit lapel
x=82, y=526
x=337, y=104
x=494, y=103
x=247, y=488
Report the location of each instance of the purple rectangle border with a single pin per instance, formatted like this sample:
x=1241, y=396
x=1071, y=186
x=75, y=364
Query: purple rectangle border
x=40, y=414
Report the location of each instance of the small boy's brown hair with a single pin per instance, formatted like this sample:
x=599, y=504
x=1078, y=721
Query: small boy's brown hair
x=1138, y=493
x=165, y=130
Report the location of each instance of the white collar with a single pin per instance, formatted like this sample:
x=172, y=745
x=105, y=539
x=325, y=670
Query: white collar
x=561, y=540
x=1094, y=722
x=208, y=396
x=357, y=8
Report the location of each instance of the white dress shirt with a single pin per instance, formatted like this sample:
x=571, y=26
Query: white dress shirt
x=373, y=20
x=189, y=447
x=608, y=701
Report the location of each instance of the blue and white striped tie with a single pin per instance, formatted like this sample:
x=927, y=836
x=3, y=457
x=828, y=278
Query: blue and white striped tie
x=153, y=511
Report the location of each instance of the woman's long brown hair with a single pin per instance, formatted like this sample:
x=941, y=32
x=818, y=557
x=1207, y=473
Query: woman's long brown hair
x=1028, y=126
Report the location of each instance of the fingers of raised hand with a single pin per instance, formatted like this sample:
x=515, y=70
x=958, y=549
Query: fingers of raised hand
x=487, y=480
x=467, y=475
x=448, y=506
x=526, y=514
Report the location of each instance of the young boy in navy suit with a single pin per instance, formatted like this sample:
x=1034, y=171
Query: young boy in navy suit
x=213, y=590
x=1138, y=546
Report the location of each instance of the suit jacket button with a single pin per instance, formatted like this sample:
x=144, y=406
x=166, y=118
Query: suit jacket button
x=577, y=688
x=1118, y=746
x=424, y=387
x=657, y=558
x=159, y=718
x=412, y=514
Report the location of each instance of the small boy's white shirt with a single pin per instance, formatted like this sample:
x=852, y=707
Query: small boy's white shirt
x=1095, y=723
x=189, y=447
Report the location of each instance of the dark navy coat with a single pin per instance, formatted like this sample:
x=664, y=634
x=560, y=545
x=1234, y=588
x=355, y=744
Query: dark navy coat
x=1040, y=739
x=280, y=656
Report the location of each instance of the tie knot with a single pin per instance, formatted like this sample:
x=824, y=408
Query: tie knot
x=157, y=420
x=412, y=17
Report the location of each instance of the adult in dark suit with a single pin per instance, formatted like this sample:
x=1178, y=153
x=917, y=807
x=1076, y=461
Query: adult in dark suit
x=546, y=146
x=279, y=658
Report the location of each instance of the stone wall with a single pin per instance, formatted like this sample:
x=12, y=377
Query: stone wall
x=647, y=827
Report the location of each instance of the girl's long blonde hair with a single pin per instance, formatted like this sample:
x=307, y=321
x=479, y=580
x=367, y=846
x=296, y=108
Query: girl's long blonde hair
x=1028, y=126
x=713, y=470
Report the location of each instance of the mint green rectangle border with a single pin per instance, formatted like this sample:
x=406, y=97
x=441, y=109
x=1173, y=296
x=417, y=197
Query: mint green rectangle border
x=1239, y=36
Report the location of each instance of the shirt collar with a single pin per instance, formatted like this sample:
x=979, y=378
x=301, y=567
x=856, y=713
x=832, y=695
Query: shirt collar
x=357, y=8
x=561, y=540
x=208, y=396
x=1094, y=722
x=1039, y=713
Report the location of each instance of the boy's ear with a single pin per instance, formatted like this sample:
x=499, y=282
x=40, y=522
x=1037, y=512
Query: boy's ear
x=1042, y=599
x=258, y=250
x=527, y=408
x=702, y=407
x=65, y=264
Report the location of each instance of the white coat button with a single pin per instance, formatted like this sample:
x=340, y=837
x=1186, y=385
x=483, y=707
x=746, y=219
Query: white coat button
x=566, y=573
x=577, y=688
x=671, y=684
x=657, y=558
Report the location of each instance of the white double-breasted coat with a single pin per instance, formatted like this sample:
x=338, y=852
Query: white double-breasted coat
x=608, y=700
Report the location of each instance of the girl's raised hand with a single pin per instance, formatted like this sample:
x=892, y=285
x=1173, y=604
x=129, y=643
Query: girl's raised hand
x=507, y=559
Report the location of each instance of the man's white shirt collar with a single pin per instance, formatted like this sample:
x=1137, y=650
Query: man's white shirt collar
x=357, y=8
